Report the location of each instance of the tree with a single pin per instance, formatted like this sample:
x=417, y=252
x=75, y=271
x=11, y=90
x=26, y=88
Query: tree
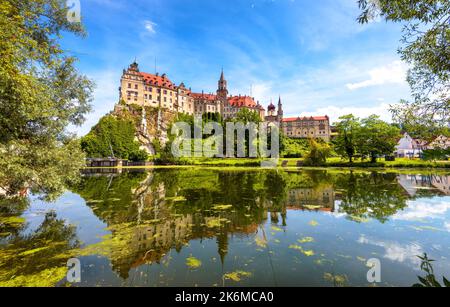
x=318, y=154
x=293, y=148
x=378, y=137
x=41, y=93
x=247, y=116
x=113, y=136
x=349, y=135
x=426, y=47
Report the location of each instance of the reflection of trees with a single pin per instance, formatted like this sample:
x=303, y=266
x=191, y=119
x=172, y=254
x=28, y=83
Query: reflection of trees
x=38, y=258
x=150, y=214
x=153, y=213
x=10, y=211
x=373, y=195
x=111, y=197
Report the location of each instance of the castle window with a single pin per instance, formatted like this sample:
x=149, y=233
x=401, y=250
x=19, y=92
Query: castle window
x=129, y=85
x=165, y=99
x=136, y=86
x=165, y=92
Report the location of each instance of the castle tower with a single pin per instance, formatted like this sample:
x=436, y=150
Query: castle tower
x=271, y=109
x=222, y=91
x=280, y=110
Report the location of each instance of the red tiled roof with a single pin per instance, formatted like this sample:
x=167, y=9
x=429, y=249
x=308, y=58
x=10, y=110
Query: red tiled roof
x=210, y=97
x=294, y=119
x=162, y=81
x=242, y=101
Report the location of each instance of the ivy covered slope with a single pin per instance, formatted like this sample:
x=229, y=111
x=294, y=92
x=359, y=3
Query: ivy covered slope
x=115, y=134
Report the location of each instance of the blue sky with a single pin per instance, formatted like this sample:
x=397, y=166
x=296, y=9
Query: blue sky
x=312, y=53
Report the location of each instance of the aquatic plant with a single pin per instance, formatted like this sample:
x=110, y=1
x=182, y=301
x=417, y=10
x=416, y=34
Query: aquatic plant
x=429, y=281
x=237, y=275
x=193, y=263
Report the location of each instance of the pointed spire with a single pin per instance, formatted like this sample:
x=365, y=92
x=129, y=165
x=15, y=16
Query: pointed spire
x=222, y=77
x=222, y=247
x=222, y=91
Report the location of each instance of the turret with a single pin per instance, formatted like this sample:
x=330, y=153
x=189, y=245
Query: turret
x=280, y=110
x=222, y=91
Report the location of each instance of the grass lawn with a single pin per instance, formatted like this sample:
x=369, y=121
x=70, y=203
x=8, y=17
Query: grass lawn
x=398, y=163
x=292, y=163
x=331, y=162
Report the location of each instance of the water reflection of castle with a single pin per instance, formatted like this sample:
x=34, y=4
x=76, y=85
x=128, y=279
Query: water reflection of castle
x=413, y=184
x=165, y=214
x=322, y=199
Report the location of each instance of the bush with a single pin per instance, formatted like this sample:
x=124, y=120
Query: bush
x=318, y=153
x=294, y=148
x=436, y=154
x=137, y=156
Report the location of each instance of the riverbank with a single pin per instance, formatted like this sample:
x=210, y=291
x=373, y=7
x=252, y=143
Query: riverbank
x=296, y=164
x=332, y=162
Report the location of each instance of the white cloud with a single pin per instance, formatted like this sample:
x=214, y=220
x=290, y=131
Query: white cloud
x=406, y=253
x=262, y=92
x=447, y=226
x=394, y=73
x=334, y=112
x=418, y=210
x=150, y=26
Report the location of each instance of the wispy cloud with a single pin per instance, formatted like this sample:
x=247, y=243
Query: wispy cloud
x=420, y=210
x=150, y=26
x=404, y=253
x=309, y=53
x=394, y=73
x=334, y=112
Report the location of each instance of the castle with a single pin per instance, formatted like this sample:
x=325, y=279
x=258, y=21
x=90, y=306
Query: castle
x=159, y=91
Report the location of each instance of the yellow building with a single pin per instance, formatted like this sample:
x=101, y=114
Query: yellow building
x=160, y=92
x=154, y=90
x=317, y=127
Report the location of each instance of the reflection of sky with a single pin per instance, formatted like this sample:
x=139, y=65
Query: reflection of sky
x=395, y=251
x=423, y=226
x=422, y=209
x=72, y=209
